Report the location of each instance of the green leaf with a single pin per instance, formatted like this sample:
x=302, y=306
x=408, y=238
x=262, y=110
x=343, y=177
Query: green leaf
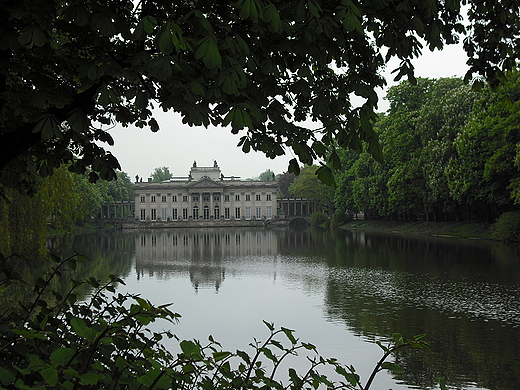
x=289, y=334
x=165, y=41
x=209, y=52
x=351, y=378
x=269, y=325
x=392, y=367
x=6, y=377
x=325, y=175
x=61, y=356
x=103, y=23
x=314, y=8
x=190, y=349
x=50, y=376
x=81, y=329
x=89, y=378
x=397, y=338
x=294, y=167
x=48, y=127
x=33, y=35
x=149, y=22
x=220, y=355
x=78, y=121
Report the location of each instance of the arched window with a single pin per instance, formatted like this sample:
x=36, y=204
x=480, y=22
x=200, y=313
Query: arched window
x=216, y=212
x=195, y=213
x=206, y=213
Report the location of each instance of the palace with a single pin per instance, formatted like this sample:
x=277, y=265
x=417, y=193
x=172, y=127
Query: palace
x=203, y=197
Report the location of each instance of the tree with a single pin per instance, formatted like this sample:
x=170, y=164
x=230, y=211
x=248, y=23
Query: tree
x=485, y=173
x=267, y=175
x=308, y=185
x=70, y=69
x=284, y=184
x=161, y=174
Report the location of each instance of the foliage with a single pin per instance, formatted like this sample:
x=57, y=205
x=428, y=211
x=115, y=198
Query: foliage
x=60, y=342
x=284, y=184
x=486, y=175
x=24, y=220
x=507, y=227
x=267, y=175
x=71, y=69
x=450, y=153
x=161, y=174
x=319, y=218
x=308, y=185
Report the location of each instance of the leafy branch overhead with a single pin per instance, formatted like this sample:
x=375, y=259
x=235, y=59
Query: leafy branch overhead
x=71, y=69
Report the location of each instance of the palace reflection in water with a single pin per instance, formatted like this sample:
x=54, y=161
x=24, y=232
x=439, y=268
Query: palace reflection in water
x=161, y=253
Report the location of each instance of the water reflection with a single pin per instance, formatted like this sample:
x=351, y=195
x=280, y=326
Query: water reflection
x=465, y=295
x=198, y=252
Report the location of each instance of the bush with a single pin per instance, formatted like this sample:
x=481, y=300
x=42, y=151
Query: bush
x=339, y=218
x=318, y=218
x=105, y=343
x=507, y=227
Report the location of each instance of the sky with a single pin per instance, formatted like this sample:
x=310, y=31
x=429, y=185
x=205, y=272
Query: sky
x=177, y=146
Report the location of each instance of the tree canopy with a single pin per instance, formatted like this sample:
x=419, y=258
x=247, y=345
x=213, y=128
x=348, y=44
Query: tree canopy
x=450, y=154
x=161, y=174
x=267, y=175
x=71, y=69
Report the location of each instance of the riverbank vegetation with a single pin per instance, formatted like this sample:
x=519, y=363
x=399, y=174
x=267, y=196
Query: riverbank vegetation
x=450, y=154
x=63, y=202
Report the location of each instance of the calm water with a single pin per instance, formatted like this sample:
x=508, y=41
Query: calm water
x=341, y=292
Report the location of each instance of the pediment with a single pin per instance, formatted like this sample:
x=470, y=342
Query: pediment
x=205, y=182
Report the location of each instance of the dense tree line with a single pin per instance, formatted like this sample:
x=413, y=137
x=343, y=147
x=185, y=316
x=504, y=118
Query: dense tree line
x=63, y=200
x=450, y=153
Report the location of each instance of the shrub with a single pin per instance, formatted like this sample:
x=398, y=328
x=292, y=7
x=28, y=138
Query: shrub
x=318, y=218
x=507, y=227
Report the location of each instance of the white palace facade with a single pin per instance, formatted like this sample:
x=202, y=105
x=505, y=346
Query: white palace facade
x=203, y=197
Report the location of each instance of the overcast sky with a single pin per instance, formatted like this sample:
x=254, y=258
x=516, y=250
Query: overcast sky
x=176, y=146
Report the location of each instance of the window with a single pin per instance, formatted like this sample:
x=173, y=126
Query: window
x=174, y=214
x=184, y=214
x=143, y=214
x=163, y=198
x=143, y=199
x=258, y=212
x=269, y=212
x=174, y=198
x=216, y=197
x=205, y=197
x=226, y=198
x=248, y=198
x=205, y=213
x=258, y=197
x=216, y=212
x=268, y=197
x=237, y=212
x=184, y=198
x=153, y=216
x=195, y=197
x=152, y=198
x=237, y=198
x=226, y=213
x=248, y=212
x=195, y=213
x=163, y=214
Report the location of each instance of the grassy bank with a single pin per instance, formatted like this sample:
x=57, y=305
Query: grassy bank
x=454, y=229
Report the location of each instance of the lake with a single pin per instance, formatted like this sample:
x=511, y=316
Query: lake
x=341, y=291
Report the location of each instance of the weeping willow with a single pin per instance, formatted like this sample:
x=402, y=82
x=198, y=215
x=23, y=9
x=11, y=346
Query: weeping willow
x=26, y=222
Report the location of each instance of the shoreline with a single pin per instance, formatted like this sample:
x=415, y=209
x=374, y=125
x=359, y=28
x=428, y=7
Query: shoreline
x=469, y=230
